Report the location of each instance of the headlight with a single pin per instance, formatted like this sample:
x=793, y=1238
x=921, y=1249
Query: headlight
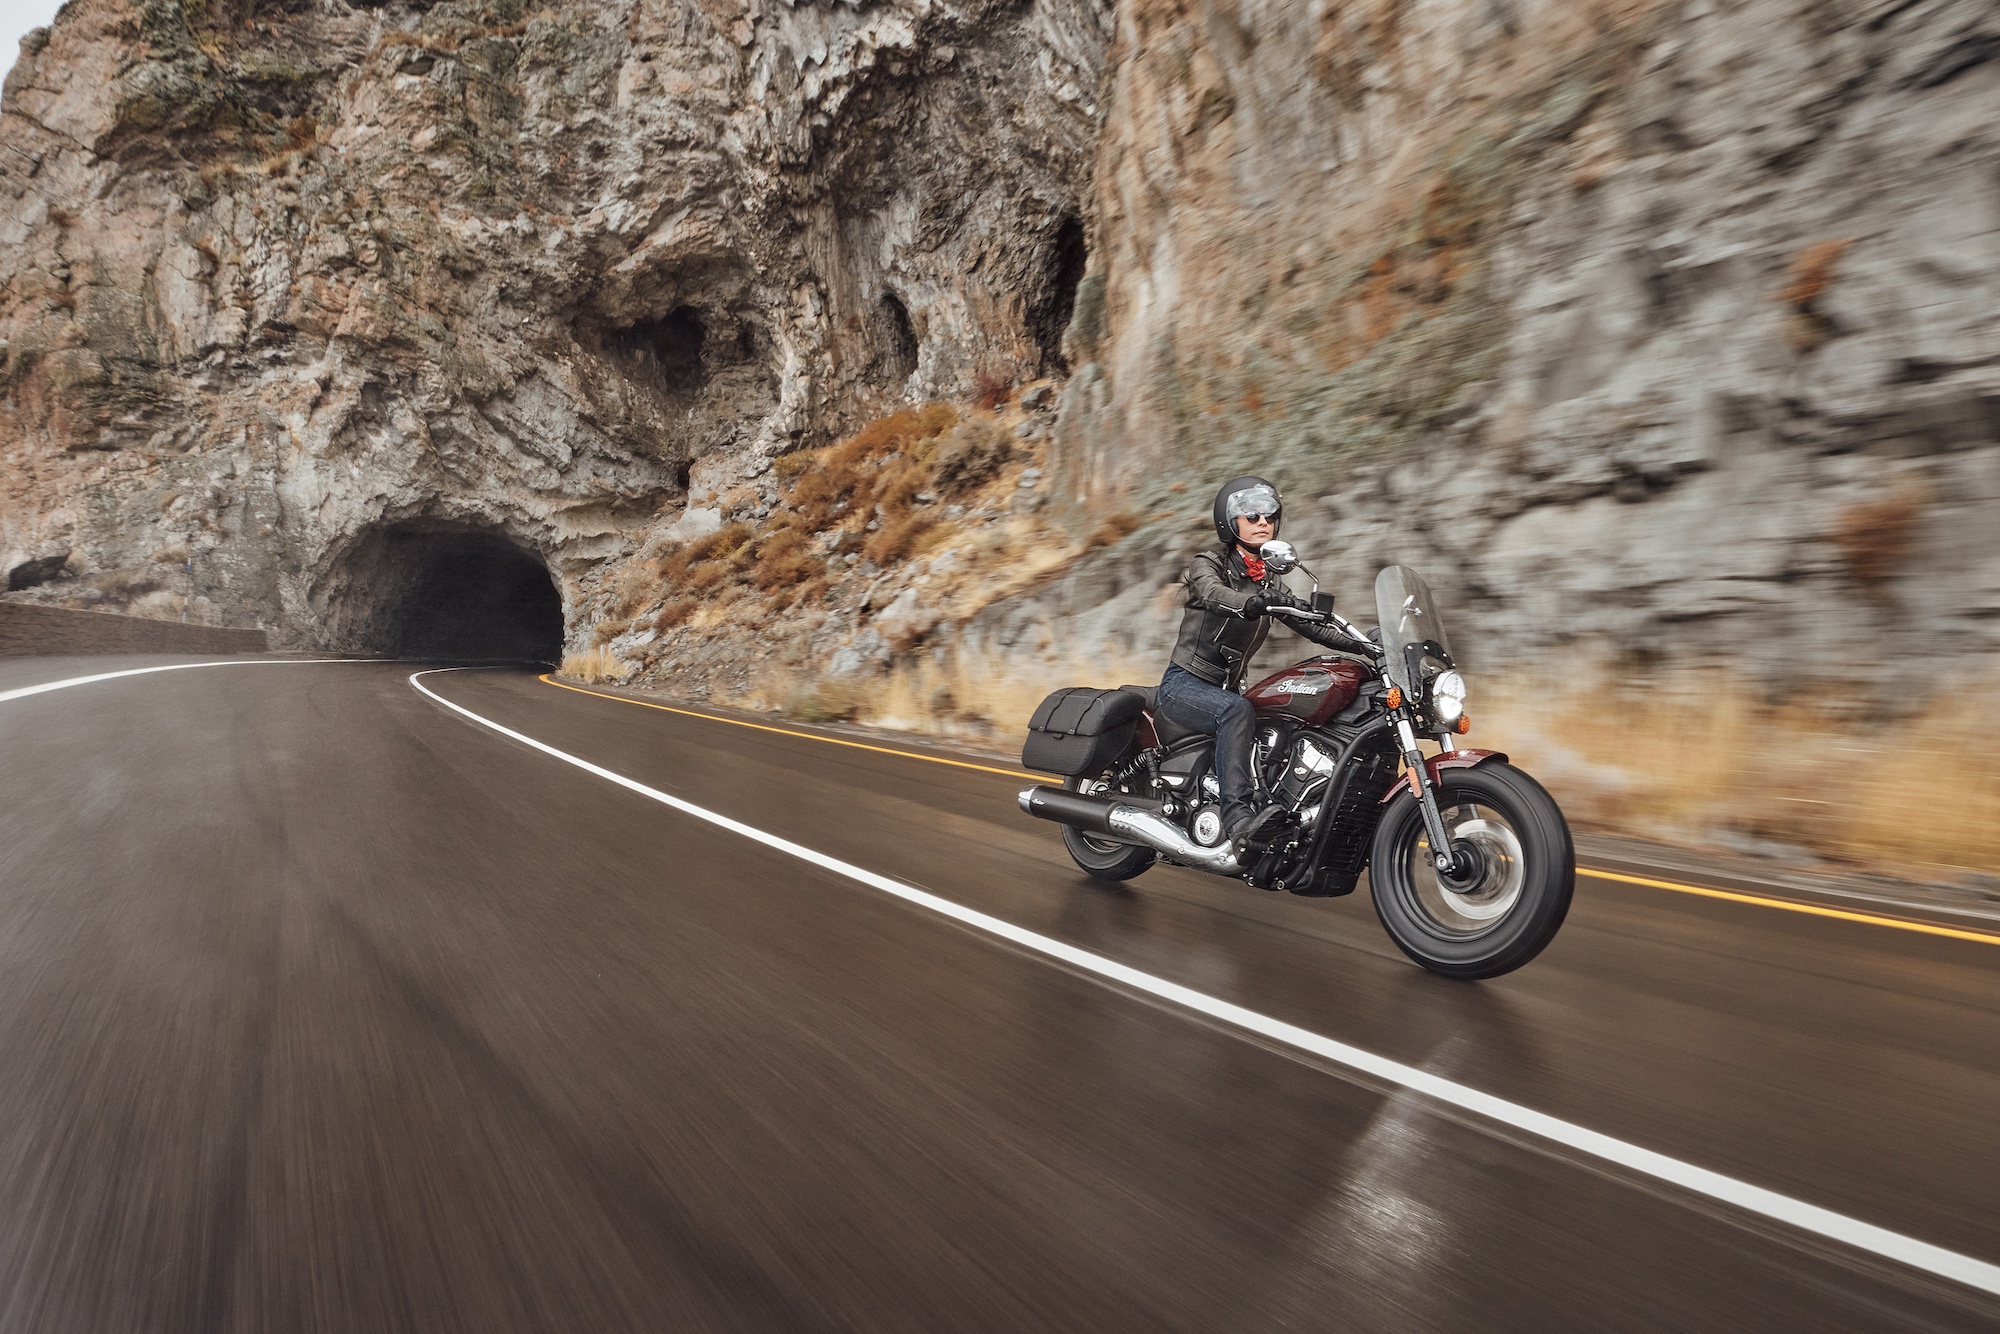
x=1447, y=696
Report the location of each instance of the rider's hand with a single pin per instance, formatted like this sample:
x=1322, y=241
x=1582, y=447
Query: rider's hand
x=1256, y=605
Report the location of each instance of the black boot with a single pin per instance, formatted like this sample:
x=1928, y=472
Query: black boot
x=1251, y=829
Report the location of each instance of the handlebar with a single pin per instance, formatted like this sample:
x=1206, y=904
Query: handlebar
x=1358, y=645
x=1301, y=613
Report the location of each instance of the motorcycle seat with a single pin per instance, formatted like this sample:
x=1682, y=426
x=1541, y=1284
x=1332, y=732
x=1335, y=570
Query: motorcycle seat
x=1164, y=728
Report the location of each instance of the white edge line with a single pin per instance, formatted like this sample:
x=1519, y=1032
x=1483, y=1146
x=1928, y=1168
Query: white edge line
x=24, y=691
x=1756, y=1199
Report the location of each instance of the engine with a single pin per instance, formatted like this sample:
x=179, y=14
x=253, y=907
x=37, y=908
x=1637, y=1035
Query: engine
x=1309, y=766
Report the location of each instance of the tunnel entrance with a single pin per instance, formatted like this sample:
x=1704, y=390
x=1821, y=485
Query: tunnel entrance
x=447, y=593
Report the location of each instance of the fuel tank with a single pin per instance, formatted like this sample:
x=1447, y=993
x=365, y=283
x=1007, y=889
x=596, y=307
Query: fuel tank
x=1310, y=692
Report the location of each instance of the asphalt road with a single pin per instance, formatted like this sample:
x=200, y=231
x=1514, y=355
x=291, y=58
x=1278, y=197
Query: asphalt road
x=325, y=1008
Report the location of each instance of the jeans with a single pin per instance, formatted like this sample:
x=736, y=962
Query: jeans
x=1188, y=701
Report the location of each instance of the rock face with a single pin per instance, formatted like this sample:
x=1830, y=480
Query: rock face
x=278, y=281
x=1664, y=329
x=1656, y=329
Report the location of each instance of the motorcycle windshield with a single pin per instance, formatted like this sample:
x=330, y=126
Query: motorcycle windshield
x=1410, y=620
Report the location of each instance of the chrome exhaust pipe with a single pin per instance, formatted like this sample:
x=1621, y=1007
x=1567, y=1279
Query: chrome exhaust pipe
x=1097, y=815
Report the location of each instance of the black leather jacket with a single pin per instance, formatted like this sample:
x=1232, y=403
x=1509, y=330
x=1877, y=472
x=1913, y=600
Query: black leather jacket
x=1216, y=638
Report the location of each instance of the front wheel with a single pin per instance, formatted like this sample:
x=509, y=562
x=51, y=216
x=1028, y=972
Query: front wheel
x=1514, y=894
x=1101, y=857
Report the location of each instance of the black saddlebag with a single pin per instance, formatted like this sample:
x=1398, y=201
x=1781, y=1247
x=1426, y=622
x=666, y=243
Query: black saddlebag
x=1081, y=731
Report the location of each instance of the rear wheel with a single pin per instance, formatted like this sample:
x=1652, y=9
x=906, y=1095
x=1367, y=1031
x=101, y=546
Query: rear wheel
x=1098, y=856
x=1514, y=892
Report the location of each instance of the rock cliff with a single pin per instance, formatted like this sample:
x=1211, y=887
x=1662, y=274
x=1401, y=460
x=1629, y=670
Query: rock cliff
x=1657, y=330
x=283, y=283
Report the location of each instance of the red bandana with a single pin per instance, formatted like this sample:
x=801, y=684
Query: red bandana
x=1255, y=565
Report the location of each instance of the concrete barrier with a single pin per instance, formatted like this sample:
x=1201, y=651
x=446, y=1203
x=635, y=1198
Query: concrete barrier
x=27, y=630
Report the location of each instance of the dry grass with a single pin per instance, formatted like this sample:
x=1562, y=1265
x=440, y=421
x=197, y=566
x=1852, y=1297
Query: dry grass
x=897, y=538
x=971, y=455
x=992, y=391
x=595, y=666
x=1703, y=758
x=989, y=699
x=826, y=702
x=874, y=476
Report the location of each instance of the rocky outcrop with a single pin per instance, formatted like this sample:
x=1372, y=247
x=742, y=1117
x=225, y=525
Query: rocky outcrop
x=274, y=281
x=1653, y=329
x=1667, y=330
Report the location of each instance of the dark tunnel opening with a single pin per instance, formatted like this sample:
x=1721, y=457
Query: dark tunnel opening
x=450, y=594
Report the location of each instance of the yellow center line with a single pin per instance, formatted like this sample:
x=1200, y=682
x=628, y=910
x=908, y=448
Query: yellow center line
x=1733, y=896
x=786, y=731
x=1793, y=905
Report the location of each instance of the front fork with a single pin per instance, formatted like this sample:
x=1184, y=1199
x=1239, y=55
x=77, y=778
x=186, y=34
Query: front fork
x=1442, y=856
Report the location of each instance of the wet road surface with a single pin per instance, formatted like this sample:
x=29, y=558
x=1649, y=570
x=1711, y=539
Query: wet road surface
x=325, y=1008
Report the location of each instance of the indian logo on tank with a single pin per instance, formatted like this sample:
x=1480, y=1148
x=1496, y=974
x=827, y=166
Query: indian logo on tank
x=1299, y=685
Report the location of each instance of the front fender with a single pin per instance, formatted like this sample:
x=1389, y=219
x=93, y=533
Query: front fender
x=1435, y=765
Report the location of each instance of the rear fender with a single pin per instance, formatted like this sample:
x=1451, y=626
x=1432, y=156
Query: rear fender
x=1435, y=765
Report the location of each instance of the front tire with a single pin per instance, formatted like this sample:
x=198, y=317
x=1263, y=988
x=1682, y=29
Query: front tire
x=1508, y=912
x=1100, y=857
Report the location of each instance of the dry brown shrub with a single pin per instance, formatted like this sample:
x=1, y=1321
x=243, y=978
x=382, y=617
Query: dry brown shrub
x=607, y=630
x=1115, y=528
x=902, y=430
x=720, y=544
x=992, y=390
x=975, y=450
x=302, y=131
x=803, y=594
x=790, y=465
x=1875, y=538
x=595, y=665
x=674, y=611
x=705, y=577
x=826, y=702
x=896, y=538
x=898, y=483
x=784, y=560
x=1810, y=274
x=884, y=464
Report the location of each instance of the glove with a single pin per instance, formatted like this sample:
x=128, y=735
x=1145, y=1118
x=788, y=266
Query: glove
x=1255, y=605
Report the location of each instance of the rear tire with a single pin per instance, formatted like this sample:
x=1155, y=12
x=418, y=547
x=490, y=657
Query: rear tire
x=1098, y=857
x=1512, y=911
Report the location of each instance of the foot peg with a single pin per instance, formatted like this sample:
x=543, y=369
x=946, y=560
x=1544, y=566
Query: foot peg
x=1253, y=834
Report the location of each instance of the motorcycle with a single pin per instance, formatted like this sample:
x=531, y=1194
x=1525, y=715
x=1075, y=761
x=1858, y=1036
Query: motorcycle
x=1470, y=863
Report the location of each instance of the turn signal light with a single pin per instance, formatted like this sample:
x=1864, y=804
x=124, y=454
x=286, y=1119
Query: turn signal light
x=1394, y=699
x=1464, y=725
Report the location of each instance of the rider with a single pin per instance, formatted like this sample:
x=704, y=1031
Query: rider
x=1228, y=593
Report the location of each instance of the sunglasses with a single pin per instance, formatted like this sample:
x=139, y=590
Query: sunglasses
x=1259, y=518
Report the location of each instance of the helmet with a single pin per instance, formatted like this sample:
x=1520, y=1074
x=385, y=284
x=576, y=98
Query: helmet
x=1246, y=495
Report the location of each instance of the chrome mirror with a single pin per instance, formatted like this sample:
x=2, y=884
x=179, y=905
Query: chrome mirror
x=1278, y=557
